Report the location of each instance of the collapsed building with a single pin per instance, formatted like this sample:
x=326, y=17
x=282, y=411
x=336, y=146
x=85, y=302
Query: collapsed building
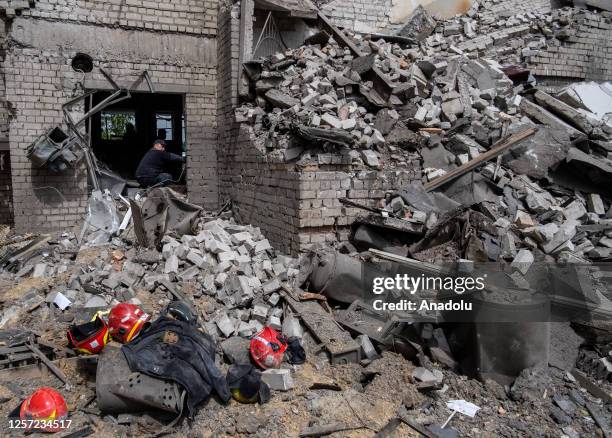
x=402, y=136
x=186, y=50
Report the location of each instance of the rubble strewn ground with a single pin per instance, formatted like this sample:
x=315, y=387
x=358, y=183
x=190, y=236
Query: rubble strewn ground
x=547, y=200
x=364, y=397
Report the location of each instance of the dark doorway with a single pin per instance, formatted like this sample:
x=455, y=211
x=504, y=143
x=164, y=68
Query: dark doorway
x=122, y=133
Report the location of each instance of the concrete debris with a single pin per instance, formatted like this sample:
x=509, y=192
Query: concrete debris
x=426, y=376
x=523, y=260
x=367, y=348
x=438, y=102
x=278, y=380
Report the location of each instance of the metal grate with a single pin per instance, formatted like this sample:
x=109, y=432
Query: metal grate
x=270, y=40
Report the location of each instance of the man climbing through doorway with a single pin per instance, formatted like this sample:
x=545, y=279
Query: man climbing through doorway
x=153, y=168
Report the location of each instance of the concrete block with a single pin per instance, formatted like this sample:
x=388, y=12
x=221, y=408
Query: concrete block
x=332, y=121
x=194, y=258
x=566, y=232
x=523, y=220
x=240, y=238
x=224, y=266
x=424, y=375
x=225, y=324
x=367, y=348
x=537, y=202
x=370, y=158
x=595, y=204
x=40, y=270
x=261, y=246
x=216, y=247
x=271, y=286
x=291, y=327
x=260, y=312
x=181, y=251
x=278, y=379
x=95, y=302
x=275, y=322
x=574, y=211
x=220, y=279
x=226, y=256
x=172, y=264
x=542, y=233
x=523, y=261
x=189, y=273
x=273, y=299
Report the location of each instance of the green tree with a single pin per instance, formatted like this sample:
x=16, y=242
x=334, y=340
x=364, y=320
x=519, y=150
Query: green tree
x=114, y=124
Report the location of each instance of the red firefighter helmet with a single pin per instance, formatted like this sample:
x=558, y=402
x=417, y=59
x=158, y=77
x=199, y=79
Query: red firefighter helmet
x=90, y=337
x=47, y=407
x=125, y=321
x=267, y=348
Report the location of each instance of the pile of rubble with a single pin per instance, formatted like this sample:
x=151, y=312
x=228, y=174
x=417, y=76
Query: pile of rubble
x=376, y=103
x=233, y=264
x=393, y=100
x=238, y=284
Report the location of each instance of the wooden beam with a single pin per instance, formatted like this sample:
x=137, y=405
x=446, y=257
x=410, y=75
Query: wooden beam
x=339, y=36
x=54, y=369
x=497, y=150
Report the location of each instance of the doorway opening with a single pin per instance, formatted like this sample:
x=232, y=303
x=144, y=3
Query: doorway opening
x=121, y=134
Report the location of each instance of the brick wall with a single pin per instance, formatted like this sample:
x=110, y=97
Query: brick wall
x=495, y=9
x=42, y=201
x=389, y=16
x=184, y=16
x=585, y=55
x=262, y=194
x=174, y=41
x=359, y=15
x=294, y=208
x=322, y=217
x=6, y=201
x=201, y=128
x=4, y=109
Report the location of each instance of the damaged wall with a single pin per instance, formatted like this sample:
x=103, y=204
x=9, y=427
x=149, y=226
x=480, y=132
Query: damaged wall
x=323, y=218
x=294, y=206
x=583, y=53
x=261, y=194
x=175, y=42
x=6, y=187
x=387, y=15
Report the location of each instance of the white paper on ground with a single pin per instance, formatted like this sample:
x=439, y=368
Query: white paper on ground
x=466, y=408
x=61, y=301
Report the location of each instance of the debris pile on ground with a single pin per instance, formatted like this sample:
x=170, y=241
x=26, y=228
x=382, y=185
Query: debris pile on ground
x=514, y=173
x=232, y=264
x=453, y=110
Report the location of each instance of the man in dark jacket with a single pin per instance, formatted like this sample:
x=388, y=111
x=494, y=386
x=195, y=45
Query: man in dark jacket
x=152, y=170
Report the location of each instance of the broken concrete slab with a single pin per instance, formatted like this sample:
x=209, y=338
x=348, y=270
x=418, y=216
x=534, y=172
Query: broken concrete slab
x=523, y=261
x=280, y=99
x=595, y=204
x=565, y=112
x=426, y=376
x=575, y=210
x=565, y=233
x=535, y=156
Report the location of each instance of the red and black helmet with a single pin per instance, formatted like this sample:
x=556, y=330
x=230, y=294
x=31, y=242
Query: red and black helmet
x=125, y=321
x=267, y=348
x=47, y=407
x=90, y=337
